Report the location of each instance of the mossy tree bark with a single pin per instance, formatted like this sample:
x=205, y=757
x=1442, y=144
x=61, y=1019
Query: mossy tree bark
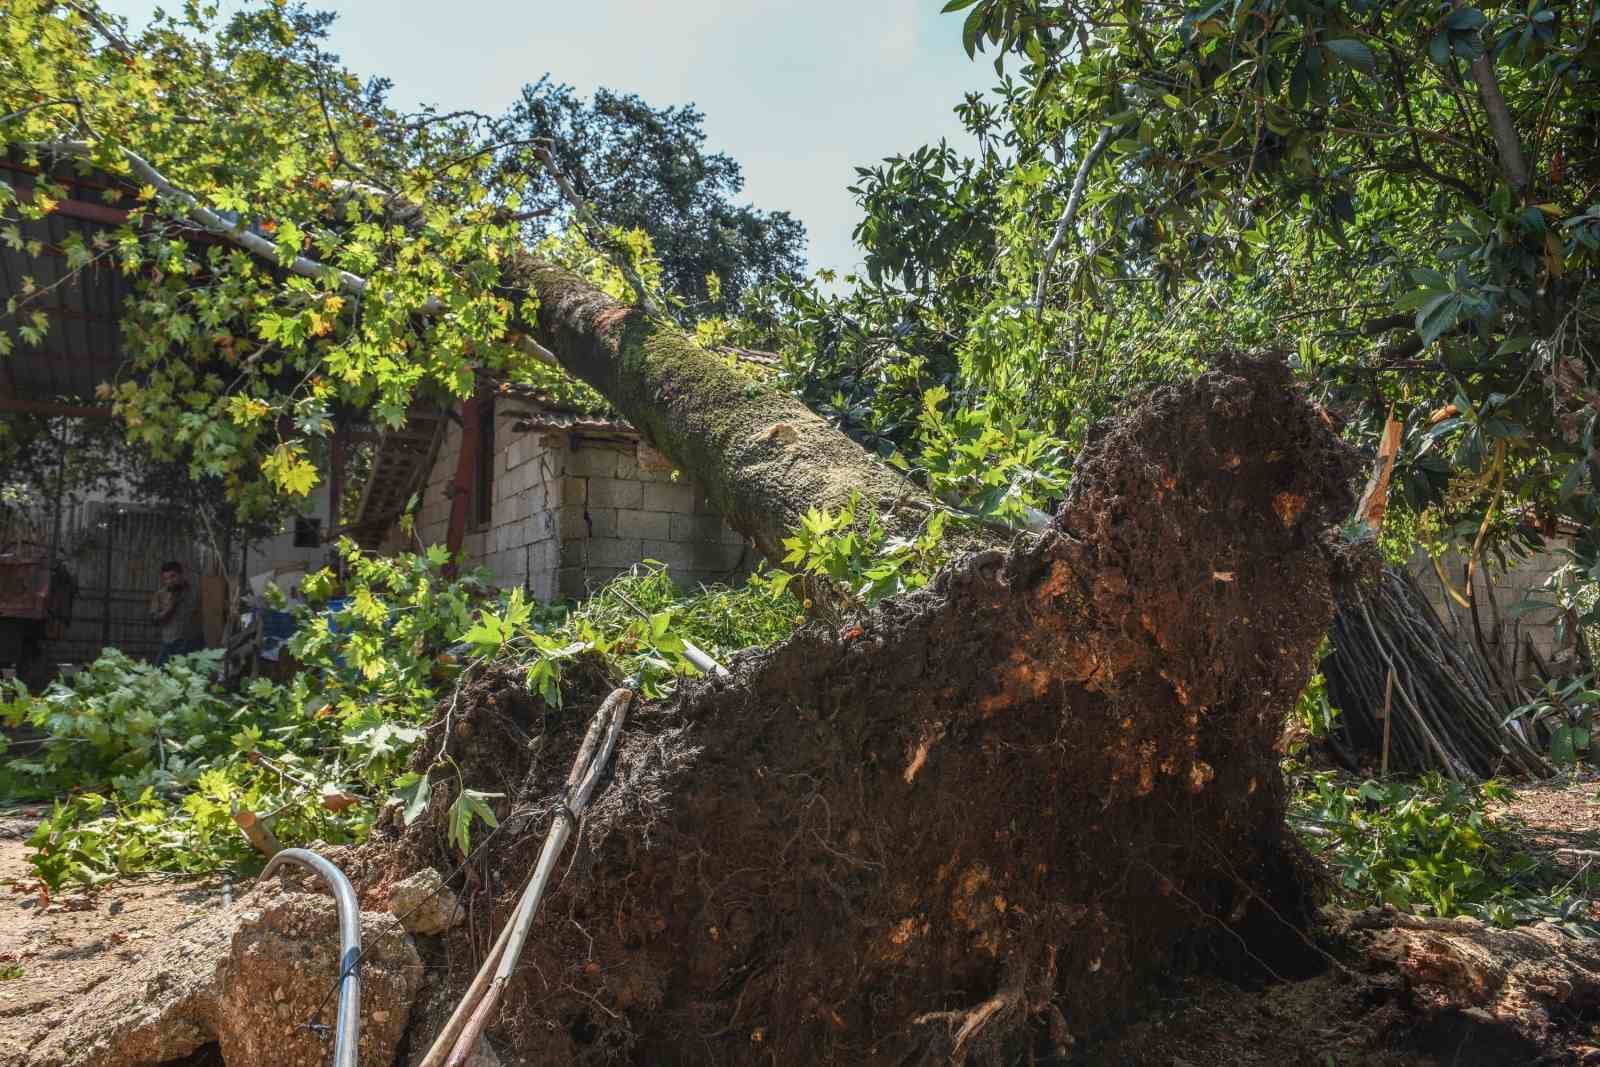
x=762, y=456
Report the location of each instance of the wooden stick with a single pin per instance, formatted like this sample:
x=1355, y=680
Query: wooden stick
x=257, y=832
x=466, y=1024
x=1388, y=703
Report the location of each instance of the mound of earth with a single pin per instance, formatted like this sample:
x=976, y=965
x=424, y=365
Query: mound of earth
x=973, y=822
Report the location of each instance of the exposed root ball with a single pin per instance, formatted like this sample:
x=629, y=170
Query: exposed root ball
x=976, y=820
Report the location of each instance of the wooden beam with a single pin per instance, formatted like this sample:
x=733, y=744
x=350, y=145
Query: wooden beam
x=466, y=475
x=79, y=209
x=46, y=407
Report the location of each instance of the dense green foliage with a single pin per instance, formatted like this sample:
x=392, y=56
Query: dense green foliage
x=153, y=763
x=645, y=168
x=240, y=366
x=1432, y=846
x=1317, y=175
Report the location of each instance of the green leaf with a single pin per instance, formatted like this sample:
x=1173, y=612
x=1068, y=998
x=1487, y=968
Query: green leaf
x=970, y=31
x=1438, y=315
x=470, y=805
x=1355, y=53
x=413, y=791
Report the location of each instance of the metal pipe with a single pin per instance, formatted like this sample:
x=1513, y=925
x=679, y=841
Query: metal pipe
x=347, y=1030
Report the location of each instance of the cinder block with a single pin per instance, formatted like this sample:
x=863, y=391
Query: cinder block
x=570, y=582
x=574, y=553
x=592, y=462
x=579, y=582
x=678, y=557
x=615, y=493
x=613, y=551
x=650, y=525
x=577, y=524
x=696, y=528
x=675, y=497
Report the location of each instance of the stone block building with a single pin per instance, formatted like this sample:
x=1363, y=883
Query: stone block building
x=560, y=502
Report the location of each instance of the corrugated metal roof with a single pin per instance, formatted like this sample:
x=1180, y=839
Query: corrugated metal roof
x=82, y=345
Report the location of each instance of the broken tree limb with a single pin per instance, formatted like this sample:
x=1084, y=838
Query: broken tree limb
x=595, y=233
x=691, y=651
x=250, y=241
x=1070, y=213
x=470, y=1017
x=1506, y=142
x=256, y=831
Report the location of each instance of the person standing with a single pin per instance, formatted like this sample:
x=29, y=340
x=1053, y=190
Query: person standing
x=175, y=608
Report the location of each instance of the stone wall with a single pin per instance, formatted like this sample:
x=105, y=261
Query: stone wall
x=574, y=509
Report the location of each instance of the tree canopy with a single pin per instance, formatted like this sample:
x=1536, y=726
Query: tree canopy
x=1400, y=195
x=365, y=248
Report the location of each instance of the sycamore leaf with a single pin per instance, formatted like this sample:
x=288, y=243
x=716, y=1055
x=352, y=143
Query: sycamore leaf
x=413, y=790
x=470, y=805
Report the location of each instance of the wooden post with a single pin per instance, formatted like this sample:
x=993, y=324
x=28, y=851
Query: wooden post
x=466, y=475
x=1388, y=704
x=337, y=460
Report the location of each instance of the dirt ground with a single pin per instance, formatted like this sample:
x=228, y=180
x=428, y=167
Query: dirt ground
x=54, y=952
x=1560, y=819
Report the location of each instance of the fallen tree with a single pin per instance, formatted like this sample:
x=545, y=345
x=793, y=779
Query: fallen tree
x=975, y=820
x=763, y=457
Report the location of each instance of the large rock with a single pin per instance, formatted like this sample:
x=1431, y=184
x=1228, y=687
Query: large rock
x=248, y=979
x=423, y=904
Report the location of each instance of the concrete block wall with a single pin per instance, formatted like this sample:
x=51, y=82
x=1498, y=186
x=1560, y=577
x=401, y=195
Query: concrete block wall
x=571, y=512
x=1495, y=587
x=621, y=506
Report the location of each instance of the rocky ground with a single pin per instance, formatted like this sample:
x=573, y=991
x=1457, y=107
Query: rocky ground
x=57, y=952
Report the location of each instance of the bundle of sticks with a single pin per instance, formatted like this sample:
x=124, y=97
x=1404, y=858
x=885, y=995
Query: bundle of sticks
x=1414, y=696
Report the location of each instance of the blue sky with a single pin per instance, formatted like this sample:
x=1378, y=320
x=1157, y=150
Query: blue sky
x=798, y=91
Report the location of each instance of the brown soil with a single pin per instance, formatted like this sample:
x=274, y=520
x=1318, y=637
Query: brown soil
x=1368, y=1018
x=976, y=821
x=1559, y=820
x=68, y=945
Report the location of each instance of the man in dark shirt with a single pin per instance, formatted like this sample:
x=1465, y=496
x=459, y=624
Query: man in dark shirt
x=176, y=609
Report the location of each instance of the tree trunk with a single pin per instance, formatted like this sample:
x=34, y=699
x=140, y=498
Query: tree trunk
x=762, y=456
